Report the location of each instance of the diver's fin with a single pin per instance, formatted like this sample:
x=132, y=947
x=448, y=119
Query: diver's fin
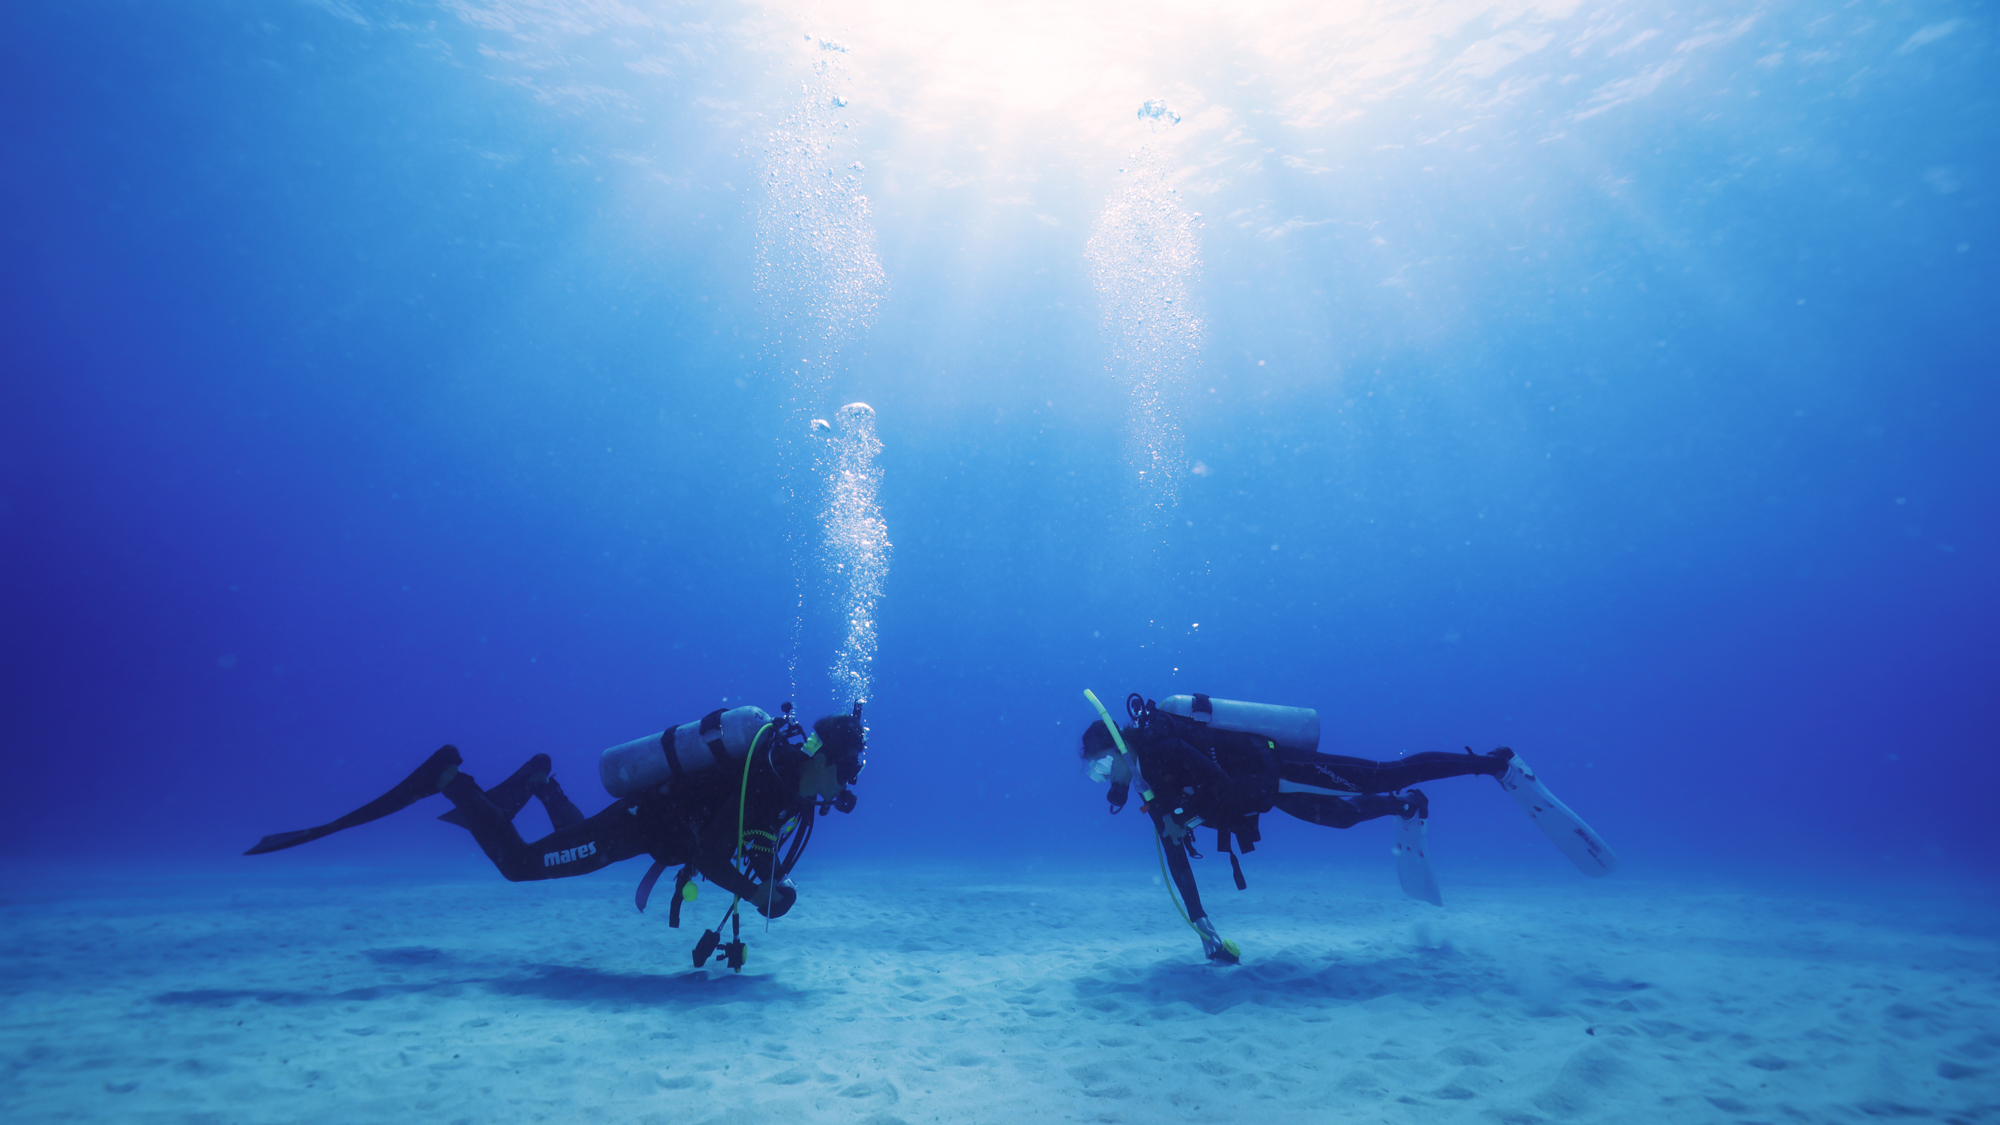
x=421, y=783
x=1413, y=862
x=1584, y=847
x=511, y=795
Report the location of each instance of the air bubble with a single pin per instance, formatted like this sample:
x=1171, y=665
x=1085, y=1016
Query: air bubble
x=1144, y=257
x=857, y=545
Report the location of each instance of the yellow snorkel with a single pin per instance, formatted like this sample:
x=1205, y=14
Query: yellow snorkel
x=1118, y=740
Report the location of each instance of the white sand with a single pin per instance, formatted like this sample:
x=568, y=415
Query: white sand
x=968, y=996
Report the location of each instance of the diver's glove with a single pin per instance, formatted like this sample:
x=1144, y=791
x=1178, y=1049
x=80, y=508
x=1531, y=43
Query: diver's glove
x=1215, y=945
x=772, y=900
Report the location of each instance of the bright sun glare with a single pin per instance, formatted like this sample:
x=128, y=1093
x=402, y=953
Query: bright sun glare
x=1085, y=67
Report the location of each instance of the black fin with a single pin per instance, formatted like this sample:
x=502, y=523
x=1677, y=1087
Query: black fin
x=421, y=783
x=283, y=840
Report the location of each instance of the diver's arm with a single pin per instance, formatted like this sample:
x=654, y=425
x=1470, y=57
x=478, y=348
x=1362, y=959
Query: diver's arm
x=1177, y=866
x=1213, y=945
x=715, y=850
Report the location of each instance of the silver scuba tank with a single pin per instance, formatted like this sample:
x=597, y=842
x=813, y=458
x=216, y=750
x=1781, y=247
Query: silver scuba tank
x=1292, y=728
x=658, y=760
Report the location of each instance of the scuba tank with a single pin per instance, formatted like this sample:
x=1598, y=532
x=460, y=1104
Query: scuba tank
x=1291, y=728
x=718, y=738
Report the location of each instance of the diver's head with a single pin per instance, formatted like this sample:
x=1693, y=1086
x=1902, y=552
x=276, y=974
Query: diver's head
x=841, y=742
x=1100, y=754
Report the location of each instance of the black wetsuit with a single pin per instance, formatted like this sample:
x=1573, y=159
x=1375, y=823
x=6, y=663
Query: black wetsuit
x=1227, y=779
x=694, y=823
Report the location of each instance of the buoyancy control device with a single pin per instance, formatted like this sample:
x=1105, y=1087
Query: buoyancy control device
x=1243, y=739
x=1286, y=728
x=655, y=762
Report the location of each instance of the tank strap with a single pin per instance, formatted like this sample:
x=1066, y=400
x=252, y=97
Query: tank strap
x=1203, y=707
x=711, y=733
x=673, y=755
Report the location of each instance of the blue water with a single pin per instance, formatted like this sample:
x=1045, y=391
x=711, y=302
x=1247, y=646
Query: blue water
x=1614, y=382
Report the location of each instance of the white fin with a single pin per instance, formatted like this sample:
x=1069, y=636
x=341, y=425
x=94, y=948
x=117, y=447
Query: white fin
x=1413, y=863
x=1584, y=847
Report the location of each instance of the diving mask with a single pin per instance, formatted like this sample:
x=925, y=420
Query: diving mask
x=847, y=760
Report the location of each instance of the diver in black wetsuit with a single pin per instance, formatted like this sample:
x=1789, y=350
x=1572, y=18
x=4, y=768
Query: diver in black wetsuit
x=745, y=808
x=1196, y=773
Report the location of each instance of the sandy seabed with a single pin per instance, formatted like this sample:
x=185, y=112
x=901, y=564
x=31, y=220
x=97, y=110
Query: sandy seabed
x=976, y=995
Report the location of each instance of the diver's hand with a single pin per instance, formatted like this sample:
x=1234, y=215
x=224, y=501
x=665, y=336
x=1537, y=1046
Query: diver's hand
x=1215, y=945
x=772, y=900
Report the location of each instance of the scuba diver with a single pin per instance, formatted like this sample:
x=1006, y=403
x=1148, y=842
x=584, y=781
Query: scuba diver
x=729, y=797
x=1198, y=761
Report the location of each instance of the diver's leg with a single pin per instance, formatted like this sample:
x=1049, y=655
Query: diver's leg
x=511, y=795
x=1360, y=775
x=1413, y=868
x=576, y=849
x=562, y=811
x=531, y=780
x=1346, y=812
